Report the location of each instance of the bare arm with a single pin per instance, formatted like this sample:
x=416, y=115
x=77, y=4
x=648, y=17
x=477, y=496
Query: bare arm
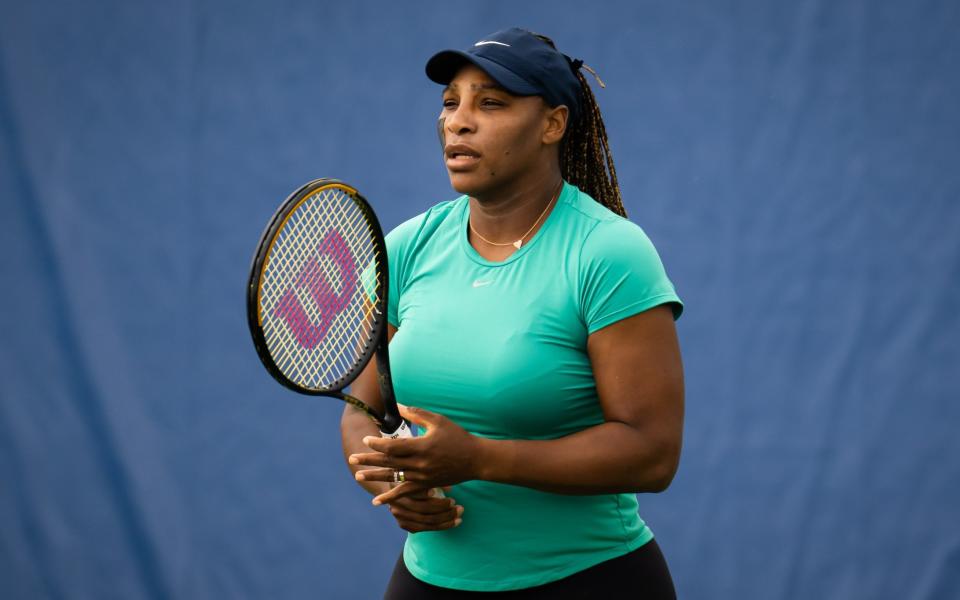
x=418, y=510
x=639, y=375
x=355, y=424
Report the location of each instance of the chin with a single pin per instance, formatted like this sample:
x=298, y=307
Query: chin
x=464, y=183
x=470, y=183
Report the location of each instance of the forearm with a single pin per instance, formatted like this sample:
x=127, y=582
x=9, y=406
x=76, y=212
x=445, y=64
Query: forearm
x=354, y=426
x=612, y=457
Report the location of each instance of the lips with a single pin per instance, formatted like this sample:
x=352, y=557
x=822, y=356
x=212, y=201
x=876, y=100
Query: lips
x=460, y=156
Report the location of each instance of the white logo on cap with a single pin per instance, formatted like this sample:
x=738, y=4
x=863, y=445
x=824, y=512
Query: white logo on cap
x=482, y=42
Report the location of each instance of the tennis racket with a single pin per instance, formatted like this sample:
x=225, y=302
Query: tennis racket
x=317, y=297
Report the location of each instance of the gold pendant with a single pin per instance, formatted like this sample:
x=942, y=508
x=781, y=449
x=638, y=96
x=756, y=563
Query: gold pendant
x=517, y=243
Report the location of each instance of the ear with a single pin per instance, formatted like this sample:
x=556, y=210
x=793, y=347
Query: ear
x=555, y=124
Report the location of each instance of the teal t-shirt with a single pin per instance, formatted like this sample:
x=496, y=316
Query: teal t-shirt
x=500, y=348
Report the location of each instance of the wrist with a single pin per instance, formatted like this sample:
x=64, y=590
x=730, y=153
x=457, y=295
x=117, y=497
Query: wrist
x=488, y=459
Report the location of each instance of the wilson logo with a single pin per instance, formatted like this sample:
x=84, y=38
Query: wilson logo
x=328, y=302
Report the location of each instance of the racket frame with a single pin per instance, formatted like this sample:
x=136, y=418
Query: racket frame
x=390, y=423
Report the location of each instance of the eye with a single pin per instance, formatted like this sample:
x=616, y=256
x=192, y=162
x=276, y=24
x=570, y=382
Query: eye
x=449, y=103
x=490, y=102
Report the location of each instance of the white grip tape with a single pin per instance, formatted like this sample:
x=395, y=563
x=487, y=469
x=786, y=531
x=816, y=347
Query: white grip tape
x=404, y=432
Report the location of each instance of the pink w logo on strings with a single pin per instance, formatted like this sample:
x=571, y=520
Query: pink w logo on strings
x=330, y=303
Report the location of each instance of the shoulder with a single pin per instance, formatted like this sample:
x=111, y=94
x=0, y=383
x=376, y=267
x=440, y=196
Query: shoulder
x=419, y=237
x=421, y=226
x=607, y=236
x=618, y=241
x=618, y=269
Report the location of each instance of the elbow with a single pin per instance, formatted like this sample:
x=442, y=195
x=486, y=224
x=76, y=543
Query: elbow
x=660, y=481
x=659, y=475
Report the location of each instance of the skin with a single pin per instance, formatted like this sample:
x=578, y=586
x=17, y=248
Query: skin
x=636, y=361
x=416, y=510
x=518, y=171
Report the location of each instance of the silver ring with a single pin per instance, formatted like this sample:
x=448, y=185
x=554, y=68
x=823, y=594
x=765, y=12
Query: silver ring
x=400, y=476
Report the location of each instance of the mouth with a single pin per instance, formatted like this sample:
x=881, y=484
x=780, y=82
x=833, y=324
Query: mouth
x=460, y=157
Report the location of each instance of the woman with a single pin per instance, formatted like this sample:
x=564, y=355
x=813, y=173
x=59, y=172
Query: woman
x=532, y=326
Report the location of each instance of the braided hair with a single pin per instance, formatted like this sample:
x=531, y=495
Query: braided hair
x=585, y=158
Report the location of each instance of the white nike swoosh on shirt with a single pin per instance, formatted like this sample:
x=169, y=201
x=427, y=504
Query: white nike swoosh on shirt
x=478, y=283
x=481, y=43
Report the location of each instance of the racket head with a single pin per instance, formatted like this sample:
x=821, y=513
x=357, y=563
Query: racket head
x=317, y=293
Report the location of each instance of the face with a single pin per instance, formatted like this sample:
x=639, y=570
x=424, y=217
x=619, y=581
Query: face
x=493, y=139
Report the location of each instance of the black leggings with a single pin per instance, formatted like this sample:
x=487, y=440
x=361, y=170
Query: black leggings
x=641, y=575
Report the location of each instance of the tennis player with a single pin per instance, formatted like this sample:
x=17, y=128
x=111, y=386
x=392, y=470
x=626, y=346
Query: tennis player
x=533, y=344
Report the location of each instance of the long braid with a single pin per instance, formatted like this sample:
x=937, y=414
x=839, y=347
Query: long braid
x=585, y=157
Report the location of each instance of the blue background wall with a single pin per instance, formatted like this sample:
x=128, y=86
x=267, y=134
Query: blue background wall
x=797, y=164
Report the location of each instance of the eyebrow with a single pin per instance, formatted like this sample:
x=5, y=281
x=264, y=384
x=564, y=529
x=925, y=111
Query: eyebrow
x=478, y=86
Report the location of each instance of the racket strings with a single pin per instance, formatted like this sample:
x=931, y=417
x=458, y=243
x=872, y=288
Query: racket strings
x=331, y=356
x=318, y=300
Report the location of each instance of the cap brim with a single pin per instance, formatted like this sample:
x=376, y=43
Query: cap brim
x=443, y=66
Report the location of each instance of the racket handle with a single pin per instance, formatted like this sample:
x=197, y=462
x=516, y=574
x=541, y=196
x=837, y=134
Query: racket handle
x=403, y=431
x=392, y=422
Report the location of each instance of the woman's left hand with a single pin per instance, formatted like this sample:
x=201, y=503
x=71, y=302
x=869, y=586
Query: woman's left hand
x=444, y=455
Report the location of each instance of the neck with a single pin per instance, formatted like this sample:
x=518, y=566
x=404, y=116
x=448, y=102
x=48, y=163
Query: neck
x=503, y=215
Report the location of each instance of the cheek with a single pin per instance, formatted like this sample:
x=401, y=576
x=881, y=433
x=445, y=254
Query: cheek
x=517, y=147
x=510, y=147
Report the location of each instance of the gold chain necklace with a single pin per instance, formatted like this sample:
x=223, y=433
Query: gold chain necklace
x=519, y=242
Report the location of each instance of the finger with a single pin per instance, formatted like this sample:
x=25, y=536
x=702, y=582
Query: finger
x=391, y=475
x=388, y=475
x=421, y=416
x=424, y=494
x=434, y=519
x=404, y=489
x=428, y=492
x=414, y=527
x=377, y=459
x=425, y=506
x=397, y=447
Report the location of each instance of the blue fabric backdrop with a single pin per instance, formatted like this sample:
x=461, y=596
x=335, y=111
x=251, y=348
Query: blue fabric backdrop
x=797, y=164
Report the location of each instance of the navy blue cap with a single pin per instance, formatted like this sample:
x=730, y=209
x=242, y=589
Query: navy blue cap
x=519, y=61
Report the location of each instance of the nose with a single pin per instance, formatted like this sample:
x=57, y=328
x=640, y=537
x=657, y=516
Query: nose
x=460, y=120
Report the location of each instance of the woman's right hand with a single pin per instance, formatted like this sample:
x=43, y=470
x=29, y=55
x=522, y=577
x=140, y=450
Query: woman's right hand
x=422, y=511
x=419, y=511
